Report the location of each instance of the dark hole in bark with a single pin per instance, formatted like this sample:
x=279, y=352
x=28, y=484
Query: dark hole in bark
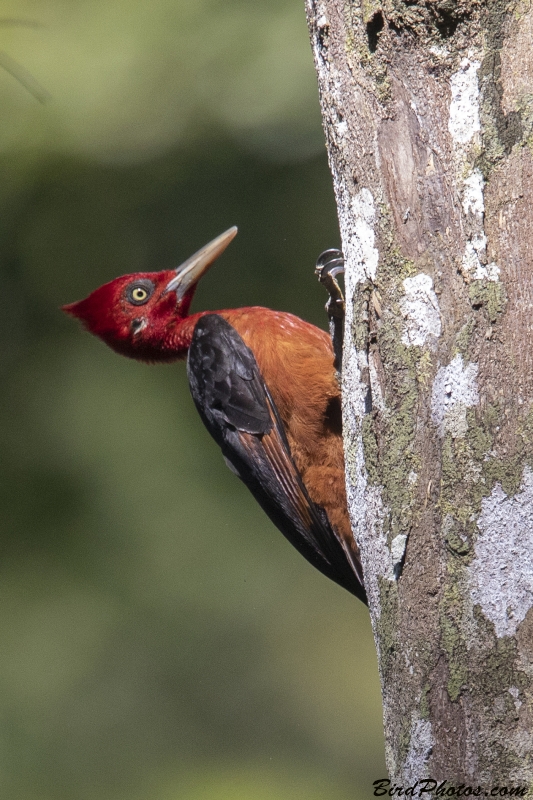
x=374, y=26
x=368, y=402
x=398, y=568
x=447, y=19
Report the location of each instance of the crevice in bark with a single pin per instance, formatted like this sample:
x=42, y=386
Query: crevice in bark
x=374, y=26
x=446, y=23
x=501, y=131
x=438, y=19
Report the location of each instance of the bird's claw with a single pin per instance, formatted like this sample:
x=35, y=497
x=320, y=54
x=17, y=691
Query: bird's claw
x=329, y=264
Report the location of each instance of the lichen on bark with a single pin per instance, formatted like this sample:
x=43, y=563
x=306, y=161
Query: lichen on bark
x=394, y=428
x=429, y=124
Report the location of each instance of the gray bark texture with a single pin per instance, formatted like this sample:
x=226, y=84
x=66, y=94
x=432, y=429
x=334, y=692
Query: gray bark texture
x=428, y=114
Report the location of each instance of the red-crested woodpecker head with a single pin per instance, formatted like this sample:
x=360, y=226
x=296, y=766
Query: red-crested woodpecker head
x=139, y=315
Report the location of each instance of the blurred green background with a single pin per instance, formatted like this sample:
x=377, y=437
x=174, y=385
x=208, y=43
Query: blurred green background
x=159, y=638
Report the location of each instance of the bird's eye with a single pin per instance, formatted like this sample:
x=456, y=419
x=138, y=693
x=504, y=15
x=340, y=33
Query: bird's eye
x=139, y=292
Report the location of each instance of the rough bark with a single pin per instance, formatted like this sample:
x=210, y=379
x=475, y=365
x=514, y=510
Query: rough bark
x=428, y=114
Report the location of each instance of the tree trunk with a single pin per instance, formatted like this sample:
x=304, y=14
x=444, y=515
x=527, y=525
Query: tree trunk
x=428, y=114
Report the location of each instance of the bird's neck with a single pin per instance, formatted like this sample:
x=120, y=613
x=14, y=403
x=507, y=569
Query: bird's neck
x=175, y=344
x=179, y=337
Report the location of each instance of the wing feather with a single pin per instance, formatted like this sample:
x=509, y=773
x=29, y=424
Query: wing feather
x=239, y=412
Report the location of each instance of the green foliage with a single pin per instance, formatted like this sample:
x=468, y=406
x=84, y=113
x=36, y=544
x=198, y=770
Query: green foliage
x=160, y=639
x=129, y=80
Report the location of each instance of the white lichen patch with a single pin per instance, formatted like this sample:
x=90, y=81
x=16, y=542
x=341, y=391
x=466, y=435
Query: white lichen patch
x=474, y=251
x=397, y=549
x=514, y=691
x=341, y=128
x=473, y=200
x=359, y=244
x=378, y=401
x=357, y=220
x=501, y=574
x=489, y=272
x=420, y=749
x=454, y=390
x=472, y=266
x=377, y=556
x=366, y=513
x=364, y=502
x=464, y=127
x=439, y=50
x=420, y=309
x=463, y=123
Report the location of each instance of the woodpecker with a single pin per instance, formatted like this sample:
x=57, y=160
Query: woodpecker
x=266, y=387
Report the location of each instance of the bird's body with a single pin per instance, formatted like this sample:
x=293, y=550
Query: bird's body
x=294, y=361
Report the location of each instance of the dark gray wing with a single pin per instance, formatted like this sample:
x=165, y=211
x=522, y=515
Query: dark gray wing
x=239, y=413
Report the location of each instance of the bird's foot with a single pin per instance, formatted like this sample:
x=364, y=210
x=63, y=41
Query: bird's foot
x=329, y=264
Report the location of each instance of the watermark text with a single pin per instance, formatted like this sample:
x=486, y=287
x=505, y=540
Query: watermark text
x=430, y=788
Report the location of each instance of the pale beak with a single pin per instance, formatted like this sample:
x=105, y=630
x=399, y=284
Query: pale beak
x=190, y=272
